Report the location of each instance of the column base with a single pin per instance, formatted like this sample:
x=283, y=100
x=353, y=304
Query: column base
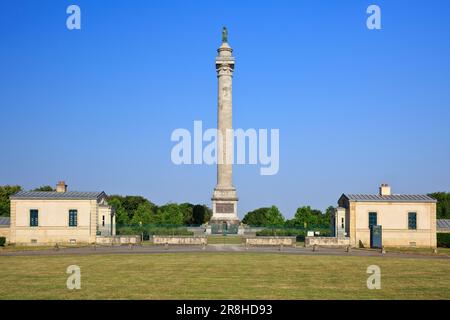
x=225, y=218
x=223, y=227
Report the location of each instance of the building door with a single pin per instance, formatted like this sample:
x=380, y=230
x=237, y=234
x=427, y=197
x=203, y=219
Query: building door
x=376, y=239
x=224, y=228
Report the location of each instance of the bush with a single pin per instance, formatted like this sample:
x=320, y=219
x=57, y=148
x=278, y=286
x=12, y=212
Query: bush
x=298, y=233
x=126, y=231
x=443, y=240
x=164, y=231
x=2, y=241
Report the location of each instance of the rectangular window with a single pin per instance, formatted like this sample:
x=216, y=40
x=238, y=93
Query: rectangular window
x=342, y=223
x=412, y=220
x=103, y=221
x=372, y=219
x=34, y=218
x=73, y=218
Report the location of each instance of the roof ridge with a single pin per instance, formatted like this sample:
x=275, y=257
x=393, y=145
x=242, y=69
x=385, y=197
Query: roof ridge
x=392, y=197
x=75, y=195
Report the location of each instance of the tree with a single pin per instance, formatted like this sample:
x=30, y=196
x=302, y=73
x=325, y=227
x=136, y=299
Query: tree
x=187, y=211
x=129, y=204
x=264, y=217
x=443, y=204
x=327, y=216
x=255, y=217
x=274, y=217
x=200, y=214
x=305, y=216
x=122, y=218
x=208, y=213
x=169, y=214
x=5, y=193
x=44, y=188
x=143, y=215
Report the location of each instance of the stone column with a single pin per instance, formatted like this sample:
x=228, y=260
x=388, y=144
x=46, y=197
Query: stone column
x=224, y=197
x=225, y=68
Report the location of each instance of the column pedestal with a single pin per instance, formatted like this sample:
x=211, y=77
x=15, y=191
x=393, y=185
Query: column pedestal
x=224, y=218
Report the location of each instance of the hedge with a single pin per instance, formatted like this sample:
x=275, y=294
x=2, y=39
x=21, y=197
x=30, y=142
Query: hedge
x=147, y=231
x=298, y=233
x=2, y=241
x=443, y=240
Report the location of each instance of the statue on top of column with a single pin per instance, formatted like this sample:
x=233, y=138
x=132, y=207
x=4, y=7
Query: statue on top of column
x=224, y=35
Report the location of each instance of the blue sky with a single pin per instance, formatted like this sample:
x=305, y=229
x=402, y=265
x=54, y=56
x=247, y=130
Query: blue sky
x=355, y=107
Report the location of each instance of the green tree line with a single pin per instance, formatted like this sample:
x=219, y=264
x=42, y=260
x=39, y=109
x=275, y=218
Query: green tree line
x=304, y=217
x=137, y=210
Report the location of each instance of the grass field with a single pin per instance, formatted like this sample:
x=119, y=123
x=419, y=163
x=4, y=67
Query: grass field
x=221, y=276
x=425, y=251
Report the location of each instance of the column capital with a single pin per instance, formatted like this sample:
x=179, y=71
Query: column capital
x=224, y=69
x=225, y=60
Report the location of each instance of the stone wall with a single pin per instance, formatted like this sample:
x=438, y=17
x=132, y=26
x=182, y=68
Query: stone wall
x=270, y=241
x=119, y=240
x=180, y=240
x=327, y=241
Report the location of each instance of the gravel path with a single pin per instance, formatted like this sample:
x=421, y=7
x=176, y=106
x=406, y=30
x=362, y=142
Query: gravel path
x=221, y=248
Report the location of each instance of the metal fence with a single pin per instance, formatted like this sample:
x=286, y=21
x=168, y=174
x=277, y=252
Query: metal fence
x=148, y=230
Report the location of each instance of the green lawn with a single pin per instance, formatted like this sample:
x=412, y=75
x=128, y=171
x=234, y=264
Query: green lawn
x=221, y=276
x=425, y=251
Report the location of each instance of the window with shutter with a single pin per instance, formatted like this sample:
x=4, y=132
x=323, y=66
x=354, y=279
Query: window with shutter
x=73, y=218
x=34, y=218
x=412, y=220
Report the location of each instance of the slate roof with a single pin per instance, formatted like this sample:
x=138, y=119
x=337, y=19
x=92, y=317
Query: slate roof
x=4, y=221
x=391, y=198
x=53, y=195
x=443, y=224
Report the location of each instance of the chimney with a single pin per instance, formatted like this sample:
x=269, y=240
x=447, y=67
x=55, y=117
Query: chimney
x=61, y=187
x=385, y=190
